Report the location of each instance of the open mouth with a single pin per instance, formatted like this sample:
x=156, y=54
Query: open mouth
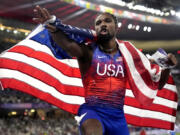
x=104, y=31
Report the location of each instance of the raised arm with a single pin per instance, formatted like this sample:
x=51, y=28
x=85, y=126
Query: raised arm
x=165, y=73
x=61, y=39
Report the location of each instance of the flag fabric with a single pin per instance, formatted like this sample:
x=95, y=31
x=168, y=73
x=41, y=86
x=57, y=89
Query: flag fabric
x=39, y=67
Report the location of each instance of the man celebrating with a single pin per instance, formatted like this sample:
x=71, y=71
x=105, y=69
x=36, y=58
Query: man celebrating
x=105, y=70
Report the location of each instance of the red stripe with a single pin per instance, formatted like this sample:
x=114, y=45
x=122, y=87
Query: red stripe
x=153, y=107
x=170, y=80
x=46, y=58
x=167, y=94
x=147, y=122
x=42, y=76
x=140, y=67
x=21, y=86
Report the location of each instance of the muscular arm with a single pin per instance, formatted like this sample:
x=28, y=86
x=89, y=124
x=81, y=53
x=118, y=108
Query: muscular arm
x=70, y=46
x=73, y=48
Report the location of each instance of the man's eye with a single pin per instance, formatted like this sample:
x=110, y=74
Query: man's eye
x=98, y=22
x=108, y=20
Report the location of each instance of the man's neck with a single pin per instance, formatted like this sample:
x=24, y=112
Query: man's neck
x=109, y=47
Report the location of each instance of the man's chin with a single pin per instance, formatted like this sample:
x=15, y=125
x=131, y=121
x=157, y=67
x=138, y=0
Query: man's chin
x=104, y=38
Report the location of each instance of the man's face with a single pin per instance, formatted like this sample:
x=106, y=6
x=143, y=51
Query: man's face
x=105, y=27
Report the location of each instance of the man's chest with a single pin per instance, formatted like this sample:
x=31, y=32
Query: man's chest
x=107, y=65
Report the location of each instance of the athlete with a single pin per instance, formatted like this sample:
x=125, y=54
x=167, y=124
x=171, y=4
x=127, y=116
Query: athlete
x=103, y=74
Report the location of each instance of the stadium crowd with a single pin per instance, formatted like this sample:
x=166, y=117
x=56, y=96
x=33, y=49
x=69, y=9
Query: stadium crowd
x=48, y=121
x=29, y=126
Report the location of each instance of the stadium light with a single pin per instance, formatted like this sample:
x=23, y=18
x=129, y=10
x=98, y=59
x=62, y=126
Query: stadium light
x=137, y=27
x=178, y=14
x=2, y=28
x=149, y=29
x=13, y=113
x=119, y=24
x=15, y=31
x=32, y=110
x=117, y=2
x=8, y=30
x=167, y=14
x=173, y=12
x=130, y=26
x=145, y=28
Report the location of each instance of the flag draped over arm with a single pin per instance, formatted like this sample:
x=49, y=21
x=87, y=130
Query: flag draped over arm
x=145, y=105
x=39, y=67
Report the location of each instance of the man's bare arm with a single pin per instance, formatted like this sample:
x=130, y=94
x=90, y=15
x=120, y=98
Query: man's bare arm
x=71, y=47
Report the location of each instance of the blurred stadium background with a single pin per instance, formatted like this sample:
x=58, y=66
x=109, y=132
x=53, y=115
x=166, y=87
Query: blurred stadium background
x=149, y=24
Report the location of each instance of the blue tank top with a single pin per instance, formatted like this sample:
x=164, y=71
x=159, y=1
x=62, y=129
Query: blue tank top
x=105, y=80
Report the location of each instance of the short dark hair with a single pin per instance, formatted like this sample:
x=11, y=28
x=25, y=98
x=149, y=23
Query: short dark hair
x=113, y=16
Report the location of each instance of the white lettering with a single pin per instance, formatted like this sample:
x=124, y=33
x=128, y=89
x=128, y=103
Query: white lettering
x=111, y=71
x=119, y=70
x=105, y=69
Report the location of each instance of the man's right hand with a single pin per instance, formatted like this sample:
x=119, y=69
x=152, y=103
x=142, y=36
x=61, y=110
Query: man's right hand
x=41, y=15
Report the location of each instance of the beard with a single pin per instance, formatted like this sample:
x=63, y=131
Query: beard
x=101, y=38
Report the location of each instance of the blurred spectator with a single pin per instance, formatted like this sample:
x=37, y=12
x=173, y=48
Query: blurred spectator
x=142, y=132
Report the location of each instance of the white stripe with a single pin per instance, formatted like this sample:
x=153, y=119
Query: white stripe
x=157, y=100
x=165, y=102
x=129, y=93
x=35, y=45
x=70, y=62
x=37, y=30
x=43, y=48
x=135, y=74
x=45, y=68
x=171, y=87
x=6, y=73
x=148, y=114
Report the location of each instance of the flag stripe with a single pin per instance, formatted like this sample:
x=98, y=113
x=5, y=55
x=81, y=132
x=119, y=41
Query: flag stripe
x=168, y=94
x=148, y=114
x=170, y=80
x=47, y=68
x=158, y=100
x=161, y=99
x=6, y=73
x=170, y=87
x=148, y=122
x=35, y=46
x=41, y=56
x=55, y=82
x=24, y=87
x=154, y=107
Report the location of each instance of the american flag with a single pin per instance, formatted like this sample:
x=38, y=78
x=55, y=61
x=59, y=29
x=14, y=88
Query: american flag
x=119, y=58
x=33, y=66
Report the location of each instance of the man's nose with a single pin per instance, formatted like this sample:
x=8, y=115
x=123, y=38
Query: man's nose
x=103, y=25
